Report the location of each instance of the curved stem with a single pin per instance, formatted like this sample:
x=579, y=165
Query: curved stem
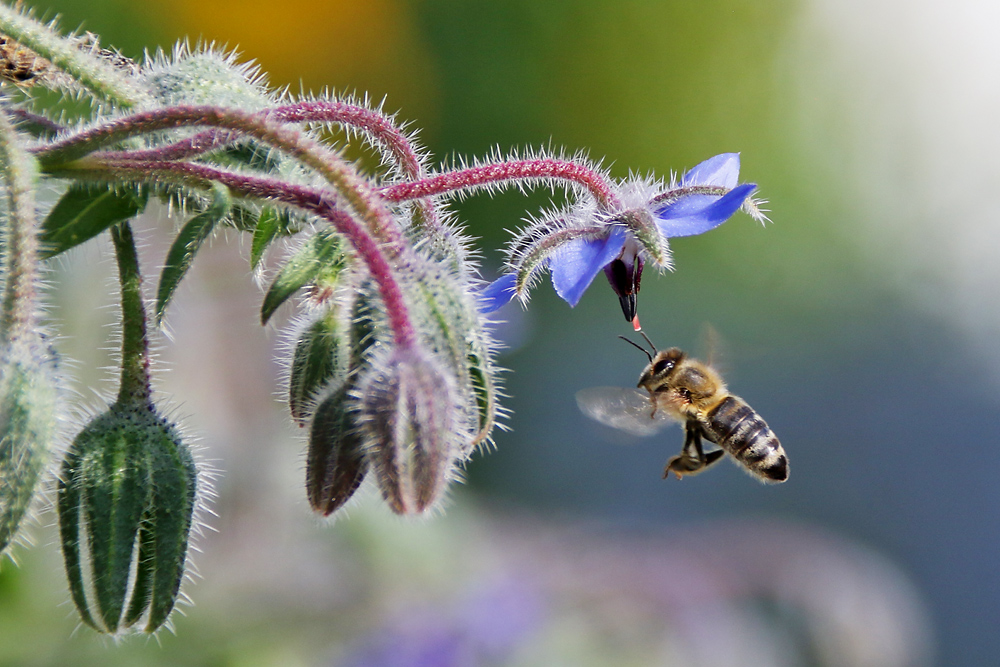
x=572, y=173
x=135, y=345
x=201, y=143
x=345, y=180
x=40, y=123
x=380, y=129
x=377, y=126
x=381, y=266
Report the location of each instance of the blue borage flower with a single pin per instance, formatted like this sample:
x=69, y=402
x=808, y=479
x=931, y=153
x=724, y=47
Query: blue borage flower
x=580, y=240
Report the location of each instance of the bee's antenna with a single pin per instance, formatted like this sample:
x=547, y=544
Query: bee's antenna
x=643, y=334
x=639, y=347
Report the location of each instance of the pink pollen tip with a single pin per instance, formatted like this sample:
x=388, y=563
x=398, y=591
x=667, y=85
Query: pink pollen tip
x=635, y=323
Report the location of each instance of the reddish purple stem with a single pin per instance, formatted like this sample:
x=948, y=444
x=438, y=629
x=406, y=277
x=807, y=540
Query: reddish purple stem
x=565, y=170
x=377, y=125
x=200, y=143
x=313, y=200
x=374, y=123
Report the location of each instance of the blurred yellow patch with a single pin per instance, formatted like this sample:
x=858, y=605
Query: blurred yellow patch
x=349, y=45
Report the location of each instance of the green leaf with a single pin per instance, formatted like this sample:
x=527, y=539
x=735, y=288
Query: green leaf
x=265, y=232
x=83, y=213
x=187, y=244
x=320, y=261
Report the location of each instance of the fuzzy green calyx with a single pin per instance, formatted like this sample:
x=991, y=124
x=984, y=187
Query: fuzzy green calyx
x=319, y=263
x=126, y=499
x=451, y=326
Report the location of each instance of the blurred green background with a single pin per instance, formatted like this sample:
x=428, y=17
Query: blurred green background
x=862, y=324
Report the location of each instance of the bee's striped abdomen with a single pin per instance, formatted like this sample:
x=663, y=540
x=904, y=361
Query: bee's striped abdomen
x=734, y=426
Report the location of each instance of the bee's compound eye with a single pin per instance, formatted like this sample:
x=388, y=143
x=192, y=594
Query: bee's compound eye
x=662, y=366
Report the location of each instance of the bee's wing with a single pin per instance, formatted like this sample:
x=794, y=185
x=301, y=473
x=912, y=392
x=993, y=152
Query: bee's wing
x=628, y=410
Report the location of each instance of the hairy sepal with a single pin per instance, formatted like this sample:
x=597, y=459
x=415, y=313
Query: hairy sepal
x=406, y=412
x=643, y=228
x=530, y=251
x=452, y=327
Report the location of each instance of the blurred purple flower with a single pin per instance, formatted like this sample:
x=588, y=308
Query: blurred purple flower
x=484, y=628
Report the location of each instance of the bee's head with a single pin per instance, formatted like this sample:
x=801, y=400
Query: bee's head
x=660, y=368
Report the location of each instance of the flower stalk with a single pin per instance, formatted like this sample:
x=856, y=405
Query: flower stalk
x=543, y=170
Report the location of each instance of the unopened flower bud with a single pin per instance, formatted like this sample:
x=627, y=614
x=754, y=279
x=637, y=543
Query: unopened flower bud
x=411, y=436
x=27, y=428
x=335, y=464
x=320, y=358
x=126, y=498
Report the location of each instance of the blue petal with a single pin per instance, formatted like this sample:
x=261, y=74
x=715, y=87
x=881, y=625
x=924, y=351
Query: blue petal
x=576, y=263
x=696, y=214
x=498, y=293
x=721, y=170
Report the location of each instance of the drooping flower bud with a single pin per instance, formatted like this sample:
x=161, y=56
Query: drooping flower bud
x=128, y=489
x=27, y=428
x=335, y=464
x=412, y=441
x=126, y=499
x=452, y=326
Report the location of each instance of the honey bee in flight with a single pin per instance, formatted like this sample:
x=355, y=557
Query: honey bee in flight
x=681, y=389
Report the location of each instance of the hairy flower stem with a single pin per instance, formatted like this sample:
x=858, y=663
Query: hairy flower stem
x=35, y=121
x=201, y=143
x=21, y=241
x=375, y=124
x=347, y=182
x=135, y=344
x=379, y=128
x=572, y=173
x=320, y=202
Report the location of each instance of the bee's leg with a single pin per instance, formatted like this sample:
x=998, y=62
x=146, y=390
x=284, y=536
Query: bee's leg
x=706, y=459
x=691, y=460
